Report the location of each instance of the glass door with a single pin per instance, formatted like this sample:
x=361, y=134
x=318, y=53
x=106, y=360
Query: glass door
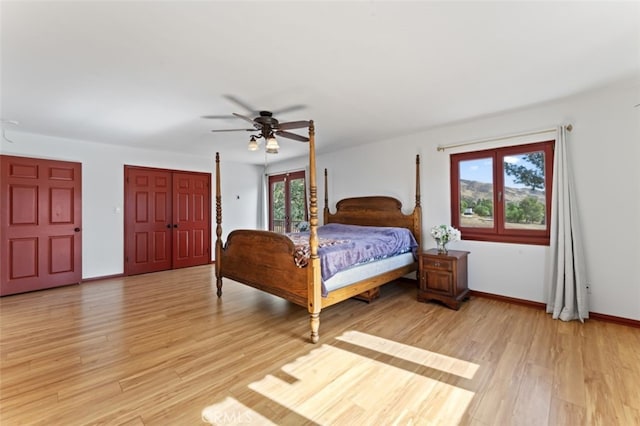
x=287, y=202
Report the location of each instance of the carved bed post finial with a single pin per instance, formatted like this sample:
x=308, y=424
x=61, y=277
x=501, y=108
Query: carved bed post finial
x=417, y=179
x=218, y=228
x=418, y=208
x=313, y=193
x=326, y=197
x=314, y=289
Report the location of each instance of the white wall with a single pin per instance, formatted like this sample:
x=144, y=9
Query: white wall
x=603, y=147
x=103, y=191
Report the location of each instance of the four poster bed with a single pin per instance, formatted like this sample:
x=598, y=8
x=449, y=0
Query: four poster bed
x=296, y=270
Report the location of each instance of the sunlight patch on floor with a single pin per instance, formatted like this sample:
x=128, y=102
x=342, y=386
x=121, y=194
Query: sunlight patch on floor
x=232, y=412
x=338, y=386
x=411, y=353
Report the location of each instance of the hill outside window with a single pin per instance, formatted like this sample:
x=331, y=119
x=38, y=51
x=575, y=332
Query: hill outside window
x=503, y=194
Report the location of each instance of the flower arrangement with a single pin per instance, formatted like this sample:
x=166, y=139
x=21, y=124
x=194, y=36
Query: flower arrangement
x=444, y=234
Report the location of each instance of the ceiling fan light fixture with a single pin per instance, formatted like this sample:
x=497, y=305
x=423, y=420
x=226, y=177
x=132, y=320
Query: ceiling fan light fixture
x=271, y=150
x=272, y=145
x=253, y=143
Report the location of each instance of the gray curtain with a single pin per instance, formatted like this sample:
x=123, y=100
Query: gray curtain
x=263, y=201
x=565, y=277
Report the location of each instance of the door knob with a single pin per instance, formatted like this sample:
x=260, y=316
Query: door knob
x=76, y=229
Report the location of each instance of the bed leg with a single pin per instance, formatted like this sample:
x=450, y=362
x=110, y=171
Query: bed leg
x=219, y=286
x=315, y=326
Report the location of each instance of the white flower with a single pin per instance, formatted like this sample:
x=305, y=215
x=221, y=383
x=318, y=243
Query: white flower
x=445, y=233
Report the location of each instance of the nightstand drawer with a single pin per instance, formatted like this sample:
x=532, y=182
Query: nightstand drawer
x=435, y=263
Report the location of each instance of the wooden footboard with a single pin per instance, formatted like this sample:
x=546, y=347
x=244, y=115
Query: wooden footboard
x=264, y=260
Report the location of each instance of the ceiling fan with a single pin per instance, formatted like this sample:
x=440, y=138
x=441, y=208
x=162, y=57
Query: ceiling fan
x=267, y=125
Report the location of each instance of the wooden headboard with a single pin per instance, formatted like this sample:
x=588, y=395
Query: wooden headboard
x=376, y=210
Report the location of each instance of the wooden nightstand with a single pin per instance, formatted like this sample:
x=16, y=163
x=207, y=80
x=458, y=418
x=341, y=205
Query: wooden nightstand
x=443, y=277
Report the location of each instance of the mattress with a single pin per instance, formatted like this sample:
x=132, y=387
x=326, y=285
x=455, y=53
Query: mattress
x=367, y=270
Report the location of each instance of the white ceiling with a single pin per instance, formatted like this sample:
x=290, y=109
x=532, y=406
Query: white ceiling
x=143, y=73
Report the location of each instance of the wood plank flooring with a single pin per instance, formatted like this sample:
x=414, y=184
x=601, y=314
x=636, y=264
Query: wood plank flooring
x=162, y=349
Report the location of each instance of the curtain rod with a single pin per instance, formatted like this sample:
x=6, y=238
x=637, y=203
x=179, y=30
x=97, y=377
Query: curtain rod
x=284, y=172
x=569, y=127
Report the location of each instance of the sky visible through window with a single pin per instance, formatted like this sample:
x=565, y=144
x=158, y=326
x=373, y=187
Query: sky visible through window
x=481, y=170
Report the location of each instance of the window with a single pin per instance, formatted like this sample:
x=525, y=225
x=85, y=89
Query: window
x=503, y=194
x=287, y=202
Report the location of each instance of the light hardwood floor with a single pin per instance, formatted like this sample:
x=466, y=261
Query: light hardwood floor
x=162, y=349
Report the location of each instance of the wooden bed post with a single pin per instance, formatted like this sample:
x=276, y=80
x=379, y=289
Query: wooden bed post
x=326, y=197
x=314, y=299
x=218, y=228
x=418, y=208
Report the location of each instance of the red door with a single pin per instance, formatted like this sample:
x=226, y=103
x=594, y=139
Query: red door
x=167, y=219
x=41, y=220
x=148, y=221
x=191, y=208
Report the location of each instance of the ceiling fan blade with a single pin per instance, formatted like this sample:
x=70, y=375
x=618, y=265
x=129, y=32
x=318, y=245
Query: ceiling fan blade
x=244, y=117
x=289, y=109
x=292, y=136
x=293, y=125
x=243, y=104
x=218, y=116
x=234, y=130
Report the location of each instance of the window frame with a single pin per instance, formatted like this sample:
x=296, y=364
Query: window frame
x=499, y=232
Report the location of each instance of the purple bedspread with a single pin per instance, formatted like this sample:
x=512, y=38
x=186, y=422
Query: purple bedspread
x=344, y=246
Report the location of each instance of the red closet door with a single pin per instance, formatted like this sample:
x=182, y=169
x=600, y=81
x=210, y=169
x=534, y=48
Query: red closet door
x=191, y=213
x=167, y=219
x=148, y=220
x=41, y=221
